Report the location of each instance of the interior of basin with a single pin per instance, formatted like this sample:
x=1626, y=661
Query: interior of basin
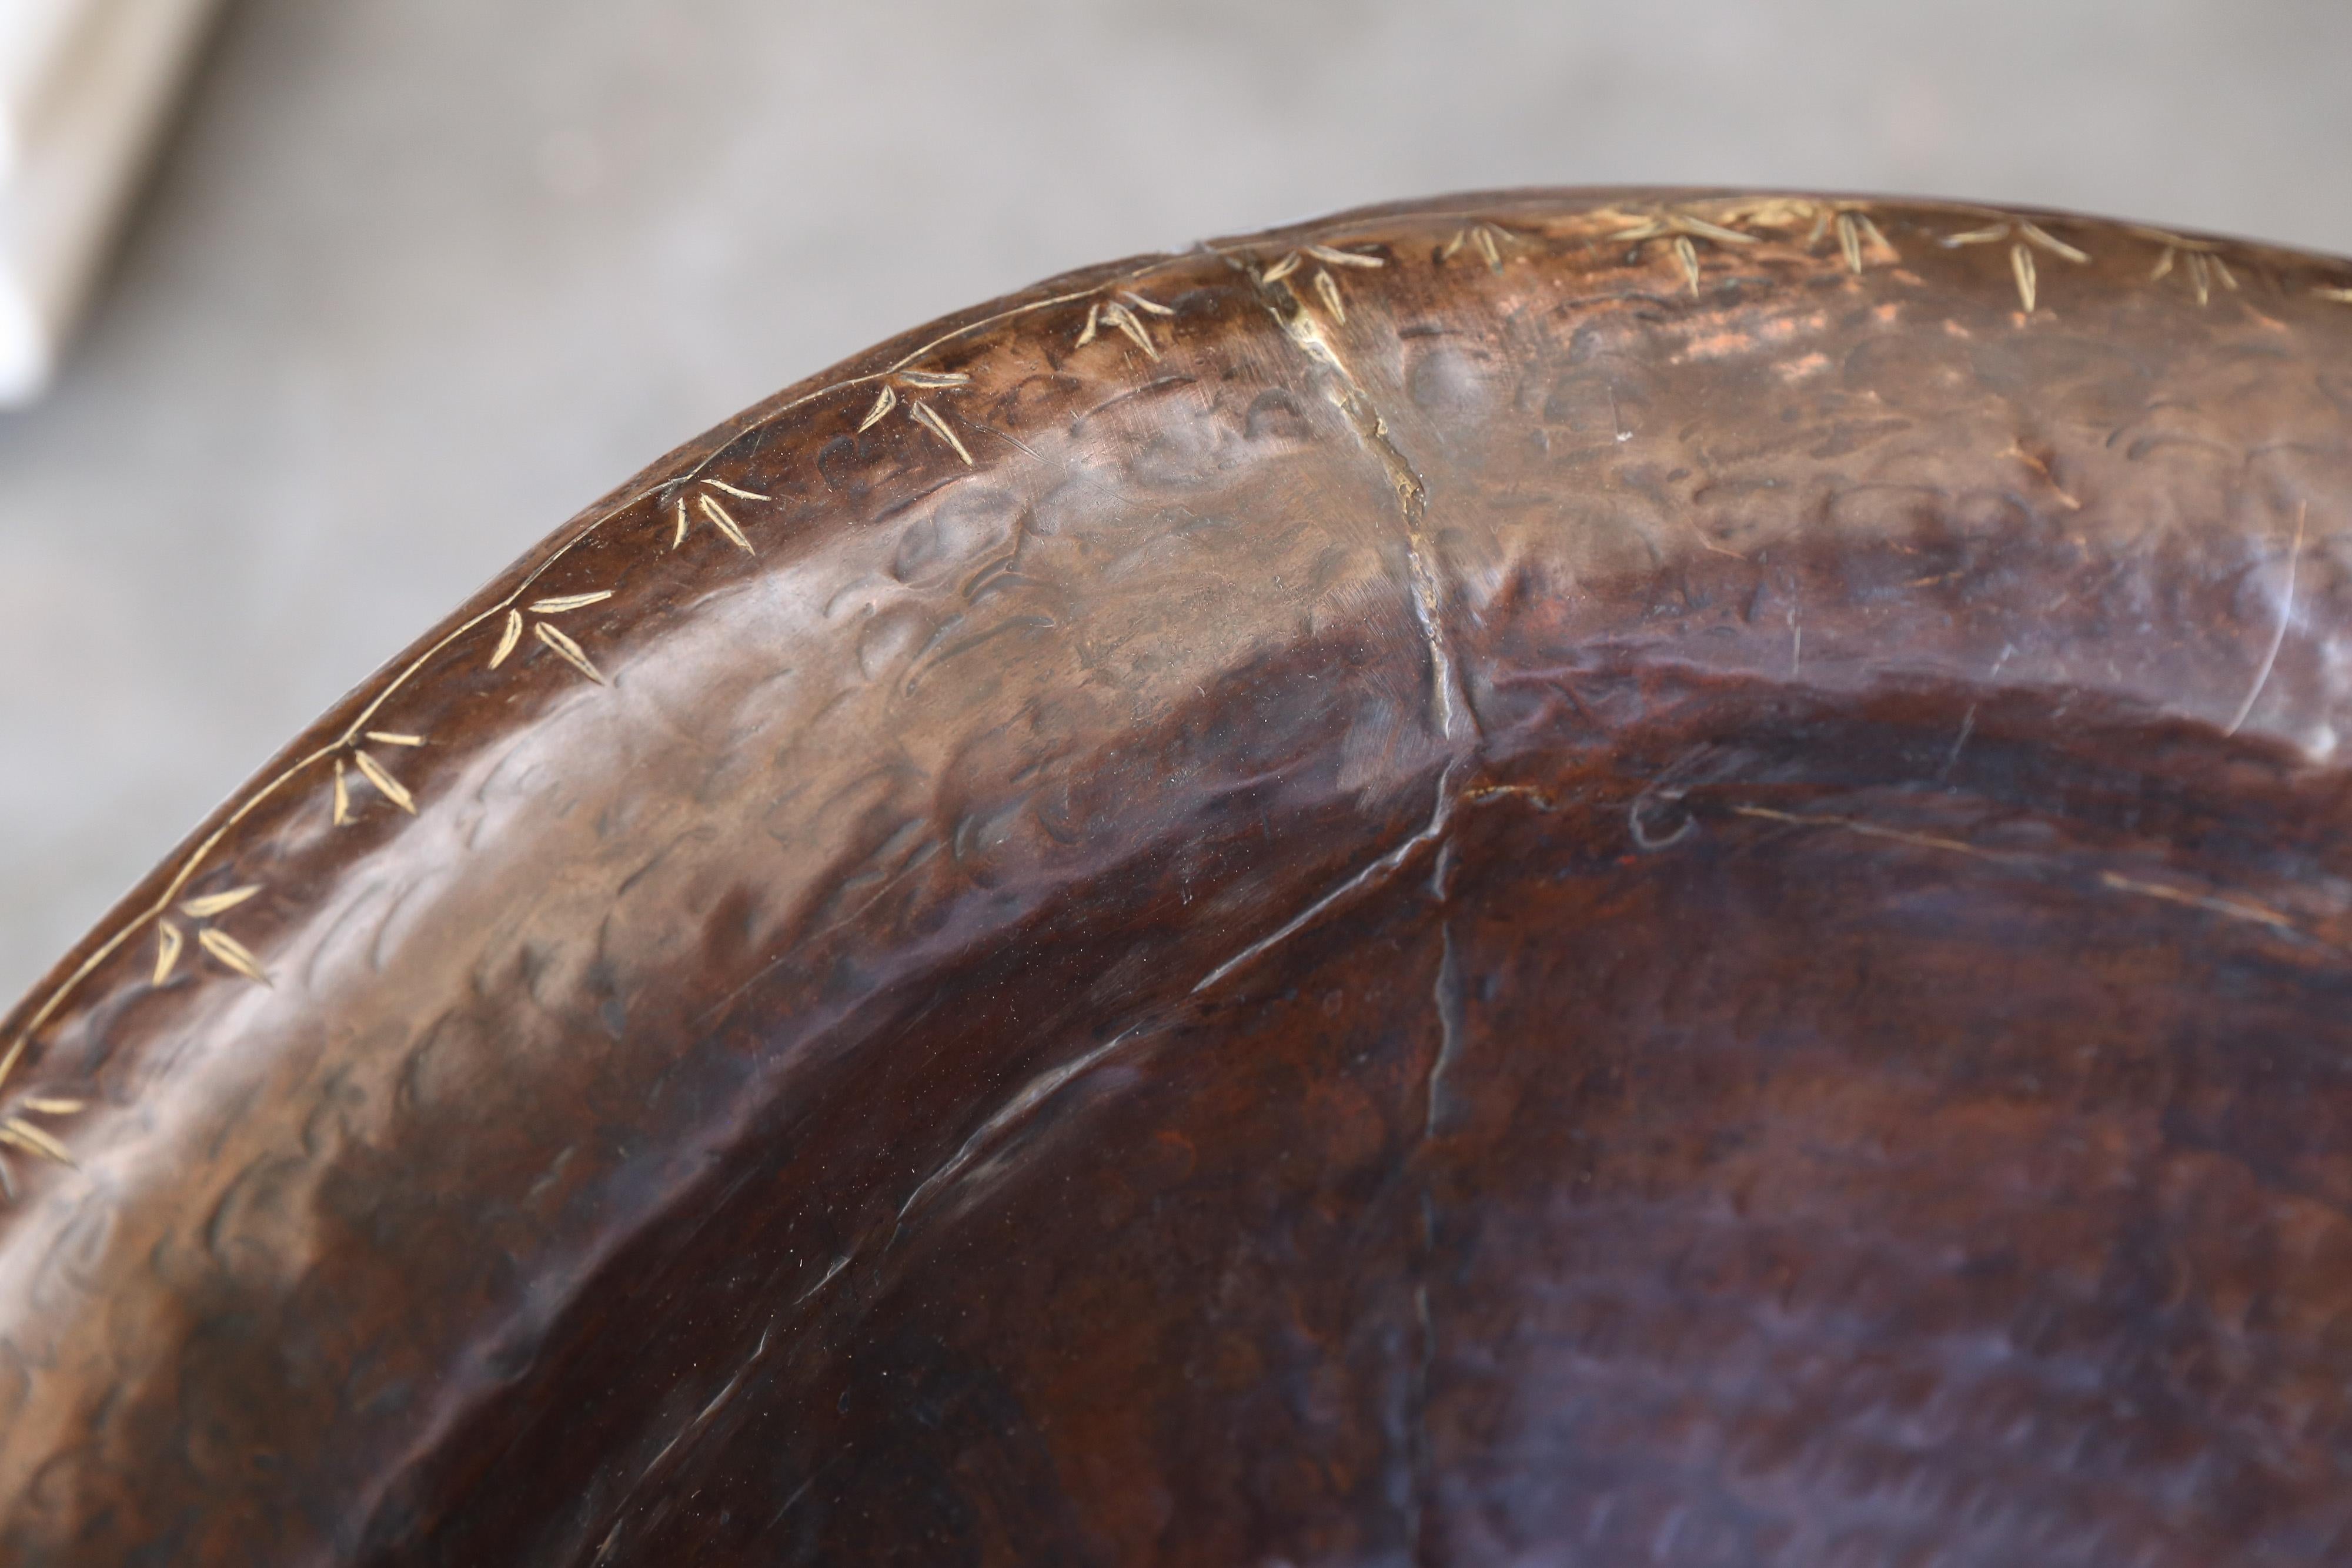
x=1774, y=1128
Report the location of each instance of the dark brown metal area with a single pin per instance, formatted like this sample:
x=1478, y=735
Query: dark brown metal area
x=1630, y=877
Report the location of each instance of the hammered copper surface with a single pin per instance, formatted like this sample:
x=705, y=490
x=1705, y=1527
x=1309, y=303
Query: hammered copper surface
x=1640, y=877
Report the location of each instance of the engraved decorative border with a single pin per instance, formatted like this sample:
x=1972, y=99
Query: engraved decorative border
x=359, y=763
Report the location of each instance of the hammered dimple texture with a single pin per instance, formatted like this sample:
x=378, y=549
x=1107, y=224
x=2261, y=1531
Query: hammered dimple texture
x=1643, y=876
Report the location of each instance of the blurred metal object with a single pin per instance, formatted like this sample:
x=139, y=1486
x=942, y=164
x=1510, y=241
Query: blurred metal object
x=85, y=85
x=1655, y=875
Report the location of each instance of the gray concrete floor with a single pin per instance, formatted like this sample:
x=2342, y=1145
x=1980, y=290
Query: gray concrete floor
x=416, y=278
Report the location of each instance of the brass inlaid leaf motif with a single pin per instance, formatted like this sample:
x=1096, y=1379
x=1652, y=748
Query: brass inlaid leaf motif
x=709, y=508
x=1327, y=290
x=1339, y=258
x=1489, y=240
x=1857, y=233
x=214, y=904
x=512, y=633
x=2203, y=270
x=922, y=413
x=391, y=788
x=929, y=420
x=569, y=652
x=1684, y=230
x=375, y=772
x=17, y=1133
x=724, y=522
x=232, y=953
x=568, y=649
x=2020, y=262
x=2199, y=261
x=170, y=942
x=25, y=1137
x=1324, y=284
x=1124, y=314
x=2024, y=238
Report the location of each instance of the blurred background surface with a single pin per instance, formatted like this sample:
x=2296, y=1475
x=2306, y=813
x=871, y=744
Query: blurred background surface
x=413, y=281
